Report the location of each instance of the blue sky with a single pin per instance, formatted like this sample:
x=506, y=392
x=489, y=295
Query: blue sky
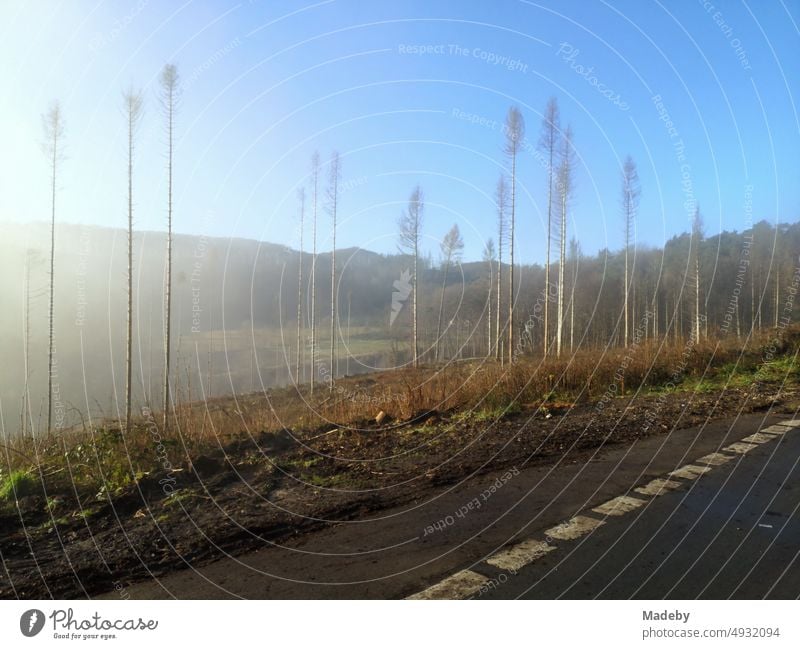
x=407, y=92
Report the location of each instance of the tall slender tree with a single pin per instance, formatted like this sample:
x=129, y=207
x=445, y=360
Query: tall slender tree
x=565, y=188
x=132, y=106
x=574, y=255
x=452, y=246
x=301, y=196
x=501, y=201
x=697, y=238
x=31, y=257
x=53, y=124
x=315, y=202
x=334, y=178
x=515, y=133
x=630, y=204
x=169, y=104
x=548, y=144
x=488, y=257
x=410, y=226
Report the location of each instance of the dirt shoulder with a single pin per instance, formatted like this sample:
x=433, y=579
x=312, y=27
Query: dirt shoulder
x=278, y=489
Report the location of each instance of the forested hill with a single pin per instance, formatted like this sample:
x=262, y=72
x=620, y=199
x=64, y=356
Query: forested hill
x=233, y=284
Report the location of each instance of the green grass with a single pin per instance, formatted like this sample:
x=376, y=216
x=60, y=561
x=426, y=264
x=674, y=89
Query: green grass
x=18, y=484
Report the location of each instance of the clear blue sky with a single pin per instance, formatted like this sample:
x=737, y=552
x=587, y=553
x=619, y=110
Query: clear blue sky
x=267, y=83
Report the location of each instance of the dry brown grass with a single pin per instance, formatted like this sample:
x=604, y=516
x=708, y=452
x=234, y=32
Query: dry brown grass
x=86, y=460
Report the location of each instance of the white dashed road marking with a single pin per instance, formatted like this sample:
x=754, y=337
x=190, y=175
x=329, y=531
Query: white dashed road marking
x=777, y=429
x=520, y=555
x=716, y=459
x=759, y=438
x=467, y=582
x=574, y=528
x=690, y=471
x=619, y=506
x=657, y=487
x=740, y=447
x=458, y=586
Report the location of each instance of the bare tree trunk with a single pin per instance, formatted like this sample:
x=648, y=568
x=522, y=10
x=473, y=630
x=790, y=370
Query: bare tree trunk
x=335, y=174
x=561, y=266
x=697, y=236
x=515, y=133
x=548, y=140
x=696, y=299
x=489, y=328
x=416, y=281
x=315, y=180
x=302, y=196
x=627, y=286
x=26, y=350
x=630, y=202
x=133, y=107
x=498, y=350
x=511, y=259
x=761, y=300
x=441, y=311
x=410, y=226
x=54, y=130
x=349, y=304
x=572, y=319
x=169, y=85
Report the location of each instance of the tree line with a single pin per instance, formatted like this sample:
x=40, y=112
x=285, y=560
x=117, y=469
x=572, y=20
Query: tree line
x=494, y=308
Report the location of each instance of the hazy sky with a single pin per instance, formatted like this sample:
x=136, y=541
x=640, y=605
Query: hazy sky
x=408, y=92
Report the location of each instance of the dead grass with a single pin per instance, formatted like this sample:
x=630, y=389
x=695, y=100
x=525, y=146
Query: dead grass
x=103, y=459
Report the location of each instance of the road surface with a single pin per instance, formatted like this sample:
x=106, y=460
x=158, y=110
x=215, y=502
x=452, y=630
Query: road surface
x=727, y=526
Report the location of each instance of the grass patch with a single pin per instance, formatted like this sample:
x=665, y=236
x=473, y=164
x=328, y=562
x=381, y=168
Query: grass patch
x=18, y=484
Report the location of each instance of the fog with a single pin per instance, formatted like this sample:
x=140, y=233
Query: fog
x=240, y=286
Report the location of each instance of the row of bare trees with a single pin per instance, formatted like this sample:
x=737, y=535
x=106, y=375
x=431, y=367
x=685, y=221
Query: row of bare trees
x=557, y=155
x=332, y=207
x=53, y=146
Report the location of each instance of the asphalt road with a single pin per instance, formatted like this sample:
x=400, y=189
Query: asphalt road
x=732, y=532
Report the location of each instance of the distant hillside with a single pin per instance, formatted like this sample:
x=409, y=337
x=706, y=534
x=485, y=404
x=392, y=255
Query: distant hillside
x=249, y=290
